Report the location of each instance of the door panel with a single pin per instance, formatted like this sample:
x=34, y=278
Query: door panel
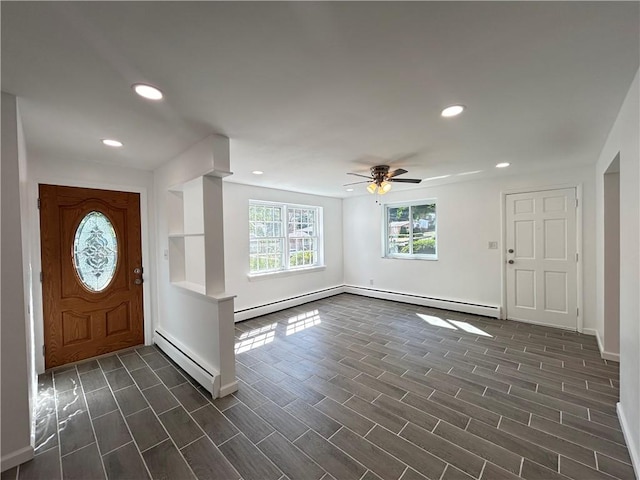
x=92, y=297
x=541, y=271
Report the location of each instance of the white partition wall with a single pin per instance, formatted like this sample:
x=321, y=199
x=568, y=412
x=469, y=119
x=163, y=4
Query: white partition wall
x=194, y=323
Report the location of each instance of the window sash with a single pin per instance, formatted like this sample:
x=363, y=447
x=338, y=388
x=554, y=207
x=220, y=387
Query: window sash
x=405, y=244
x=294, y=229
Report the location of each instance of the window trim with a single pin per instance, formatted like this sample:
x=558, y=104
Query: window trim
x=286, y=269
x=385, y=234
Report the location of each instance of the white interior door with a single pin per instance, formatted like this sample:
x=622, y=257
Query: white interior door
x=541, y=257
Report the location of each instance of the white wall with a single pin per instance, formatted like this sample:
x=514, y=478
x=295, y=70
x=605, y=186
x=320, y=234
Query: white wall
x=91, y=175
x=624, y=139
x=610, y=337
x=262, y=290
x=17, y=444
x=469, y=216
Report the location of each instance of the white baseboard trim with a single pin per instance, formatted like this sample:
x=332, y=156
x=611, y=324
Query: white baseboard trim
x=229, y=388
x=457, y=306
x=634, y=453
x=603, y=353
x=201, y=371
x=15, y=458
x=260, y=310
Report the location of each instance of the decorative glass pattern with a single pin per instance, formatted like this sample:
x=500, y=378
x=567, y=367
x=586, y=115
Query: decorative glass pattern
x=95, y=251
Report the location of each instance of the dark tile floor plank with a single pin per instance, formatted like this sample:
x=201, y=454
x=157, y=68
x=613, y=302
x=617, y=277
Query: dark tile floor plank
x=144, y=376
x=447, y=451
x=166, y=463
x=180, y=426
x=369, y=455
x=147, y=431
x=254, y=428
x=43, y=466
x=422, y=461
x=189, y=397
x=111, y=431
x=313, y=418
x=248, y=460
x=332, y=459
x=160, y=399
x=285, y=423
x=207, y=462
x=125, y=463
x=215, y=424
x=483, y=448
x=289, y=458
x=83, y=464
x=130, y=400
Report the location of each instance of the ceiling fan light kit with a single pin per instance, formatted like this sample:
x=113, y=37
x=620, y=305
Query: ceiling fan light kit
x=380, y=179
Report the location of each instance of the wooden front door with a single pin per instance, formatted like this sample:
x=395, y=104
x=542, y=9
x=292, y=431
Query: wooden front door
x=91, y=272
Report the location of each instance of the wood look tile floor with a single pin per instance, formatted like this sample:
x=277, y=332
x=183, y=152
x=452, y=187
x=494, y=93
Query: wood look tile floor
x=344, y=388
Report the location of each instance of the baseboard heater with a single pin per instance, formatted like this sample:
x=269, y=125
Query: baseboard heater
x=203, y=373
x=445, y=304
x=283, y=304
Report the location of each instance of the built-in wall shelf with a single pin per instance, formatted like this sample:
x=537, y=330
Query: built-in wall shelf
x=187, y=251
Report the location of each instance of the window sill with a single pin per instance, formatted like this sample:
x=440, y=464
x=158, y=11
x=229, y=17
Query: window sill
x=411, y=257
x=284, y=273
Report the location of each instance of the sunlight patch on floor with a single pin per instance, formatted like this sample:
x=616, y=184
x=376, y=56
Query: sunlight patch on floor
x=256, y=338
x=453, y=325
x=302, y=321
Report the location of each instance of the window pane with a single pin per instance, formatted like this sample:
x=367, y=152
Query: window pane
x=424, y=223
x=398, y=230
x=95, y=251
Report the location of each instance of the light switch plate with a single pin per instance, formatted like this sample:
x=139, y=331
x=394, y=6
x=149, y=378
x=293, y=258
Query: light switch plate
x=493, y=245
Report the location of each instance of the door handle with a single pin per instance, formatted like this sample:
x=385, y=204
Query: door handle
x=511, y=262
x=510, y=250
x=137, y=281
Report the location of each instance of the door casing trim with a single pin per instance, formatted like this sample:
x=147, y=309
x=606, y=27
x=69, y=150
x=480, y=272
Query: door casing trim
x=503, y=252
x=36, y=259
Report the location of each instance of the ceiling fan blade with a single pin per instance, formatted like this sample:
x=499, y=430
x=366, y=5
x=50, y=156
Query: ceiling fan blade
x=396, y=172
x=405, y=180
x=358, y=175
x=355, y=183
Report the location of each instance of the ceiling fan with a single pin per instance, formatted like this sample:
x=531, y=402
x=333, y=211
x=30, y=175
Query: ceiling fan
x=380, y=179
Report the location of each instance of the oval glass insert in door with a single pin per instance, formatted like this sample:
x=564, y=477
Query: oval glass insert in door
x=95, y=251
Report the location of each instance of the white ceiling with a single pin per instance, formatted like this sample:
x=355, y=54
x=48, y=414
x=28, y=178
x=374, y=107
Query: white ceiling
x=309, y=91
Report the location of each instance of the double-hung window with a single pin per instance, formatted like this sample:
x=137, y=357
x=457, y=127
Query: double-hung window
x=410, y=230
x=283, y=237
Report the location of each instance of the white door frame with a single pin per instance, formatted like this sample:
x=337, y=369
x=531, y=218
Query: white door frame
x=503, y=235
x=36, y=258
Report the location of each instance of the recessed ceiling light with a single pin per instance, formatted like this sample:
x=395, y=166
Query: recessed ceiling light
x=503, y=165
x=111, y=143
x=435, y=178
x=453, y=110
x=257, y=172
x=147, y=91
x=349, y=189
